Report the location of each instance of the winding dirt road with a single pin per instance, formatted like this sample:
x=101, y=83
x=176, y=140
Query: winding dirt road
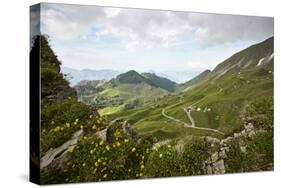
x=188, y=111
x=188, y=125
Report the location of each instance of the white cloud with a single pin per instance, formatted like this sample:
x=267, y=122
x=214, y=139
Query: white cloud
x=111, y=12
x=149, y=28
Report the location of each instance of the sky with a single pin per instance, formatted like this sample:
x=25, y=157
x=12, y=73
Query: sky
x=93, y=37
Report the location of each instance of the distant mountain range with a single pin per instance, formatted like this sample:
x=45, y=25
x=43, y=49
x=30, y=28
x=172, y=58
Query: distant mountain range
x=74, y=75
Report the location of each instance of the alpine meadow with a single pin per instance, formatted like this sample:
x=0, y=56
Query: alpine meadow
x=132, y=93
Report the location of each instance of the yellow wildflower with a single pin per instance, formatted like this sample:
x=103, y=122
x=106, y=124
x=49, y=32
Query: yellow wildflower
x=71, y=149
x=107, y=147
x=101, y=142
x=133, y=149
x=94, y=127
x=142, y=166
x=126, y=140
x=118, y=144
x=140, y=174
x=84, y=164
x=99, y=160
x=160, y=155
x=96, y=164
x=92, y=151
x=91, y=116
x=57, y=129
x=81, y=127
x=105, y=175
x=169, y=146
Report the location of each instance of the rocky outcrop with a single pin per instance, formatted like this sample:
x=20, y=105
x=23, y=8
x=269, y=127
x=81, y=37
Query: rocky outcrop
x=59, y=152
x=215, y=164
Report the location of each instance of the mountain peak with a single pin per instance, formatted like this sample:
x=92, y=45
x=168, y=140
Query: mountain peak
x=130, y=77
x=157, y=81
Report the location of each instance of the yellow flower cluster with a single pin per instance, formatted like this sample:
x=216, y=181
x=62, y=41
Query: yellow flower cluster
x=58, y=128
x=71, y=149
x=76, y=121
x=67, y=125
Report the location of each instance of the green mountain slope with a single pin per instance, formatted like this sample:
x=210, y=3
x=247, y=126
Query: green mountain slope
x=126, y=91
x=160, y=82
x=185, y=86
x=218, y=101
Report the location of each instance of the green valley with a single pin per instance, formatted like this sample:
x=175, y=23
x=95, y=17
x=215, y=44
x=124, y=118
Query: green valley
x=140, y=125
x=217, y=99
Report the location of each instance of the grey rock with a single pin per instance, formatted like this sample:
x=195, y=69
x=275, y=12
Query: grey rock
x=212, y=140
x=60, y=151
x=209, y=169
x=218, y=167
x=222, y=154
x=236, y=135
x=215, y=157
x=243, y=133
x=252, y=133
x=208, y=161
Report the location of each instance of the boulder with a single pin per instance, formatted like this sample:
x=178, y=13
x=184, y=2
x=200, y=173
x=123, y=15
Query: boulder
x=215, y=157
x=218, y=167
x=209, y=169
x=222, y=154
x=252, y=133
x=212, y=140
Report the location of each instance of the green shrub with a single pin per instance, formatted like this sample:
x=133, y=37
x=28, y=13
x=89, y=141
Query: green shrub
x=258, y=155
x=60, y=120
x=93, y=159
x=166, y=161
x=261, y=113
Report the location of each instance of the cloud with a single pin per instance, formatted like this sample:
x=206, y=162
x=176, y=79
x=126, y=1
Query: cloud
x=34, y=22
x=69, y=22
x=111, y=12
x=137, y=28
x=217, y=29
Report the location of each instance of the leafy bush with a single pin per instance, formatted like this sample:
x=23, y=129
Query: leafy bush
x=166, y=161
x=96, y=160
x=258, y=155
x=261, y=113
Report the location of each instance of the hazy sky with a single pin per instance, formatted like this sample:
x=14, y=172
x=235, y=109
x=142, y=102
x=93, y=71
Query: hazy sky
x=113, y=38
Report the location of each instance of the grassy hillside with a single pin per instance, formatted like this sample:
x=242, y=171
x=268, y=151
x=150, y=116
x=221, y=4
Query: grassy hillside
x=218, y=98
x=164, y=140
x=126, y=92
